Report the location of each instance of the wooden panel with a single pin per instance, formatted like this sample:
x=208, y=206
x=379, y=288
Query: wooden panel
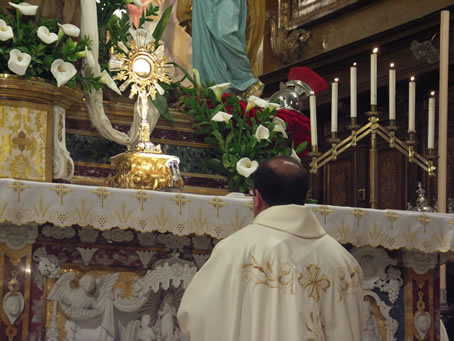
x=391, y=179
x=340, y=183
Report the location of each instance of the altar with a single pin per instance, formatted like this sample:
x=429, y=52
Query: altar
x=89, y=262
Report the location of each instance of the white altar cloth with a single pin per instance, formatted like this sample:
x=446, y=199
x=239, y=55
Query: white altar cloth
x=105, y=208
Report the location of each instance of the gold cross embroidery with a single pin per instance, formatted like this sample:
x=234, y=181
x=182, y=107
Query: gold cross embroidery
x=61, y=191
x=142, y=196
x=180, y=200
x=22, y=141
x=392, y=216
x=218, y=203
x=324, y=211
x=424, y=219
x=451, y=222
x=102, y=193
x=358, y=215
x=314, y=280
x=18, y=187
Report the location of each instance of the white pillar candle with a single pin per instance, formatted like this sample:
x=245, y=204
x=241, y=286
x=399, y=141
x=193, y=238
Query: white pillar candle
x=373, y=77
x=411, y=104
x=431, y=125
x=392, y=92
x=334, y=97
x=313, y=112
x=353, y=91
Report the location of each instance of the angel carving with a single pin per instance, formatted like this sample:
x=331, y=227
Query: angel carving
x=85, y=297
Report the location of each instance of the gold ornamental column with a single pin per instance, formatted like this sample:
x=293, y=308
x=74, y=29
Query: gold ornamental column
x=15, y=277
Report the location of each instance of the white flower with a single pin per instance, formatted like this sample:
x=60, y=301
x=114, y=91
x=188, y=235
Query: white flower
x=25, y=8
x=279, y=126
x=46, y=36
x=258, y=102
x=219, y=89
x=246, y=167
x=262, y=133
x=6, y=32
x=106, y=79
x=221, y=117
x=197, y=77
x=138, y=3
x=89, y=56
x=62, y=71
x=295, y=156
x=70, y=30
x=18, y=62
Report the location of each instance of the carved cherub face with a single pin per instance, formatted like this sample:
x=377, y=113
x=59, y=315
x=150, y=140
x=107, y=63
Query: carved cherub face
x=88, y=283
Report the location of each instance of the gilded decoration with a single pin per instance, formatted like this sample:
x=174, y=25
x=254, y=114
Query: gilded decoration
x=25, y=140
x=313, y=279
x=142, y=170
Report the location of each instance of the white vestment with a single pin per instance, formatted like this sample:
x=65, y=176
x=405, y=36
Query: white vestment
x=280, y=278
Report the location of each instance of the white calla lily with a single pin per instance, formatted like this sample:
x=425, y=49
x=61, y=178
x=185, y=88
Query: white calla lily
x=262, y=133
x=138, y=3
x=70, y=29
x=62, y=71
x=295, y=156
x=89, y=57
x=106, y=79
x=258, y=101
x=18, y=62
x=25, y=8
x=279, y=126
x=197, y=77
x=246, y=167
x=219, y=89
x=46, y=36
x=6, y=31
x=221, y=117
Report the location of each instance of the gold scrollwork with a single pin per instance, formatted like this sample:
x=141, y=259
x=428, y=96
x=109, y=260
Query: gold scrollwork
x=285, y=43
x=142, y=170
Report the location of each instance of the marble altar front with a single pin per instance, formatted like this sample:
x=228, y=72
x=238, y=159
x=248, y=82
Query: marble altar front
x=98, y=263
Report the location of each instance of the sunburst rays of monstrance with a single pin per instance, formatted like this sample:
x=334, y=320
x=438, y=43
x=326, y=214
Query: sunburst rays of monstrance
x=142, y=66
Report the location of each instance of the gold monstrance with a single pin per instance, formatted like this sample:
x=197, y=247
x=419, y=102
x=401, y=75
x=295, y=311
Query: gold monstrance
x=144, y=165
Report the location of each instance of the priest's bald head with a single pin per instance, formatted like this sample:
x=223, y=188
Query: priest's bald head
x=280, y=180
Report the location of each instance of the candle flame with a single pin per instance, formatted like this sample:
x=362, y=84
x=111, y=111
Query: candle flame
x=412, y=78
x=354, y=64
x=312, y=93
x=391, y=65
x=432, y=93
x=336, y=80
x=375, y=50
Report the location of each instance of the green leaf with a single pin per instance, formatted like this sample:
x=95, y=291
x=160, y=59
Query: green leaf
x=302, y=146
x=160, y=27
x=216, y=165
x=161, y=104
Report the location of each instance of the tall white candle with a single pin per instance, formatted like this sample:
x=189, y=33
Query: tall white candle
x=334, y=99
x=392, y=92
x=373, y=77
x=431, y=125
x=411, y=104
x=353, y=91
x=313, y=112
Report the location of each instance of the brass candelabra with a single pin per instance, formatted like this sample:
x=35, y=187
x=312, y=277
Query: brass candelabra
x=374, y=129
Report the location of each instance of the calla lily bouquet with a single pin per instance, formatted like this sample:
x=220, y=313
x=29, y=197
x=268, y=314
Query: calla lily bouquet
x=53, y=51
x=244, y=132
x=44, y=48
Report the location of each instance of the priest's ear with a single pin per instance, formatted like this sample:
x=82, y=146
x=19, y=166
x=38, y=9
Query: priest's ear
x=258, y=202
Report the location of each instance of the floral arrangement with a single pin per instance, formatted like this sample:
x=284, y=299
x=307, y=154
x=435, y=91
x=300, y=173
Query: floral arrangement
x=53, y=51
x=244, y=133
